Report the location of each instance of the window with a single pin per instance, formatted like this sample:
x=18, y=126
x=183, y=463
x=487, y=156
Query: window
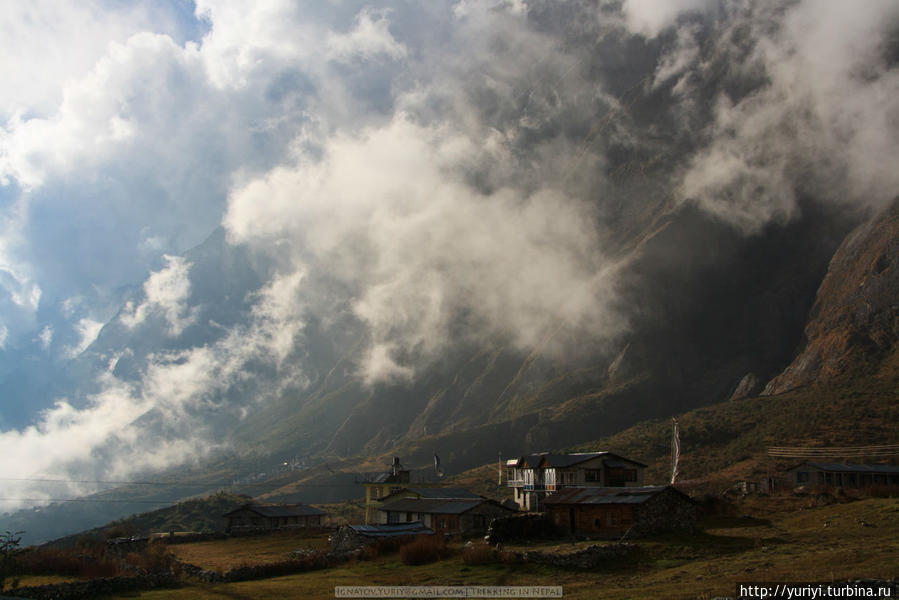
x=592, y=475
x=393, y=517
x=802, y=477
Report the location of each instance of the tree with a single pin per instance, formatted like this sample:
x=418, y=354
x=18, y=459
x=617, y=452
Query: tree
x=9, y=550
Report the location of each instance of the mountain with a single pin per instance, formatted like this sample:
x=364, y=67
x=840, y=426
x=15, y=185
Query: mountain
x=576, y=229
x=855, y=318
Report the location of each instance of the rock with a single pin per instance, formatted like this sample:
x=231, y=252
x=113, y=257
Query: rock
x=855, y=318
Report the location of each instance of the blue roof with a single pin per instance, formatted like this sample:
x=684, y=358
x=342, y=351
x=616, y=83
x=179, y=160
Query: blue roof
x=392, y=529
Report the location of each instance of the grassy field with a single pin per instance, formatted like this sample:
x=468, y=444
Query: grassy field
x=222, y=555
x=771, y=539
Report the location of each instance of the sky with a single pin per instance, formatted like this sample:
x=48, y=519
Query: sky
x=419, y=154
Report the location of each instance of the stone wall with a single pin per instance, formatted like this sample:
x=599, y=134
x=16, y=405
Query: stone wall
x=590, y=557
x=92, y=588
x=520, y=528
x=667, y=511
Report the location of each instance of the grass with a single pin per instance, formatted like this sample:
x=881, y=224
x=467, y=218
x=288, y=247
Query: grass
x=222, y=555
x=783, y=539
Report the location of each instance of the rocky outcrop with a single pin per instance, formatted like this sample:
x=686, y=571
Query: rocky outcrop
x=855, y=318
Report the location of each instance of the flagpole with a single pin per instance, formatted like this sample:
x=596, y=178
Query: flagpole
x=675, y=451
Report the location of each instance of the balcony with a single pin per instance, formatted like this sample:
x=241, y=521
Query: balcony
x=534, y=487
x=515, y=483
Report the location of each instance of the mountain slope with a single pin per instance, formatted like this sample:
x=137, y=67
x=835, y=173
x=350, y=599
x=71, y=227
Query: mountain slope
x=855, y=318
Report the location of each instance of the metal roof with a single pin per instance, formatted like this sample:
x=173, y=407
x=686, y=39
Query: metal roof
x=392, y=529
x=607, y=495
x=282, y=510
x=852, y=468
x=442, y=506
x=437, y=492
x=561, y=461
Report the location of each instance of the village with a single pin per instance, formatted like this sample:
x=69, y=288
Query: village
x=579, y=513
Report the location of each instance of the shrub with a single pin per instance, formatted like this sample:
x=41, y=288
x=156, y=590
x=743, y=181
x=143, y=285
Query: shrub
x=155, y=558
x=423, y=550
x=478, y=554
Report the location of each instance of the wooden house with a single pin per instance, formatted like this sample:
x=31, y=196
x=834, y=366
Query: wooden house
x=534, y=476
x=816, y=474
x=260, y=517
x=448, y=516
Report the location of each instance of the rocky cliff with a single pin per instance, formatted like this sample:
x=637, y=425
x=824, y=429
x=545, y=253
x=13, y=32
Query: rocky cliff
x=855, y=318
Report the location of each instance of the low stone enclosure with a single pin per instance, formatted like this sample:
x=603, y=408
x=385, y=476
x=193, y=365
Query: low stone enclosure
x=92, y=588
x=590, y=557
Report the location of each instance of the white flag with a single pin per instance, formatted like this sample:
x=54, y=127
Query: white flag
x=675, y=451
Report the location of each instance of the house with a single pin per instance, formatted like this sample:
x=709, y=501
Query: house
x=431, y=492
x=351, y=537
x=613, y=511
x=535, y=475
x=258, y=517
x=381, y=485
x=817, y=474
x=449, y=516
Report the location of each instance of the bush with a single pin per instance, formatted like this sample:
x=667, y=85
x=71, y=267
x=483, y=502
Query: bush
x=85, y=563
x=423, y=550
x=478, y=554
x=154, y=559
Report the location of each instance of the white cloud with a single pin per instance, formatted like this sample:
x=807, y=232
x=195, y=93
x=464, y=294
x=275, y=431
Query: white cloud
x=166, y=292
x=369, y=38
x=4, y=333
x=87, y=330
x=423, y=248
x=823, y=125
x=46, y=337
x=650, y=17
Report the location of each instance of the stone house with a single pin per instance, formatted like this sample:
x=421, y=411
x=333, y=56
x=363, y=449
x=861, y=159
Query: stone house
x=448, y=516
x=261, y=517
x=612, y=512
x=534, y=476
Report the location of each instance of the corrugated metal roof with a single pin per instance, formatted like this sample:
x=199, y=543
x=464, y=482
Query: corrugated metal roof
x=437, y=492
x=853, y=468
x=283, y=510
x=604, y=495
x=392, y=529
x=442, y=506
x=568, y=460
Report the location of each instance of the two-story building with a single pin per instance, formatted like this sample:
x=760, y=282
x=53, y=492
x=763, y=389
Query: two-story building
x=533, y=476
x=380, y=485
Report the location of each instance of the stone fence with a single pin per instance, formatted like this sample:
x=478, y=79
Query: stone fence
x=92, y=588
x=590, y=557
x=520, y=528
